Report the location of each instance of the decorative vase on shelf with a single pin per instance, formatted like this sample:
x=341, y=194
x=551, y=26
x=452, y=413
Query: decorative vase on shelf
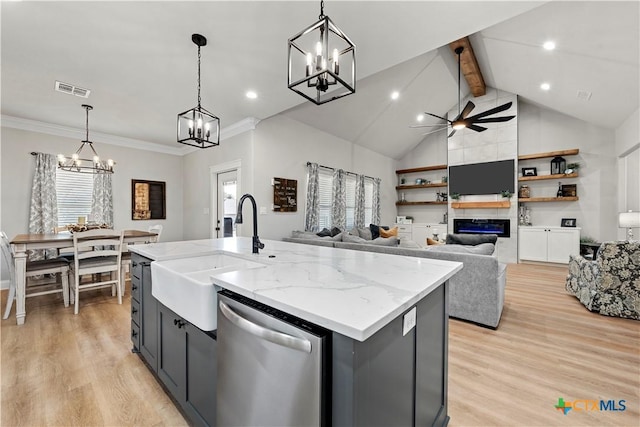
x=559, y=192
x=524, y=192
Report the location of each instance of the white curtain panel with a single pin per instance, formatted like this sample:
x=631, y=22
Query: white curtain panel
x=102, y=199
x=43, y=213
x=359, y=213
x=312, y=207
x=339, y=200
x=375, y=212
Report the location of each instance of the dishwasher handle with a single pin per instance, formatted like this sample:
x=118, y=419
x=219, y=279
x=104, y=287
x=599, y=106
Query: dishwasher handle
x=265, y=333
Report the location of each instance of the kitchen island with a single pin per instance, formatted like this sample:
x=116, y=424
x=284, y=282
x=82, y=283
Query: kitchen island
x=387, y=317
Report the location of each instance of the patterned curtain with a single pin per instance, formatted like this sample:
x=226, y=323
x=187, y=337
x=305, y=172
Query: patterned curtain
x=360, y=202
x=102, y=199
x=339, y=200
x=312, y=208
x=43, y=213
x=375, y=212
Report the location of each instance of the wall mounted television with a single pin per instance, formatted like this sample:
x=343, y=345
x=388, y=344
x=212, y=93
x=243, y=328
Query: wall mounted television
x=482, y=178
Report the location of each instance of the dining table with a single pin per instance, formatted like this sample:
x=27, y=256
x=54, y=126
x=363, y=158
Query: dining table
x=23, y=243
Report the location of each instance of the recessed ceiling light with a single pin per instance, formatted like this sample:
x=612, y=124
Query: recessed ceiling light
x=251, y=94
x=395, y=95
x=549, y=45
x=420, y=117
x=545, y=86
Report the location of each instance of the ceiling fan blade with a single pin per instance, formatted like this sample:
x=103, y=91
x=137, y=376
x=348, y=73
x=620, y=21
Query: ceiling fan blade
x=493, y=119
x=476, y=128
x=440, y=125
x=451, y=134
x=467, y=109
x=438, y=117
x=433, y=131
x=497, y=109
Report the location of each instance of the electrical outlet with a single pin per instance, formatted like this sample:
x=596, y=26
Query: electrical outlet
x=409, y=321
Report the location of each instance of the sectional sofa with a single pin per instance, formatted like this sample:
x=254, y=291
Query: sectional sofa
x=476, y=293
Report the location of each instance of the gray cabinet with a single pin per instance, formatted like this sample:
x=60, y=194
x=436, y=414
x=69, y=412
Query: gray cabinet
x=144, y=311
x=187, y=366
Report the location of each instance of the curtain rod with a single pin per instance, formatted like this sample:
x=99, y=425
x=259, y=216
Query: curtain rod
x=347, y=172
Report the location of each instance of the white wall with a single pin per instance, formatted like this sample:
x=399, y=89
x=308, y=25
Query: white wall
x=282, y=147
x=17, y=176
x=542, y=130
x=197, y=179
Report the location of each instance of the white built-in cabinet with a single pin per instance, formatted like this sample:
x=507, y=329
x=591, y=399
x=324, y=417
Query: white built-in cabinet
x=548, y=244
x=418, y=232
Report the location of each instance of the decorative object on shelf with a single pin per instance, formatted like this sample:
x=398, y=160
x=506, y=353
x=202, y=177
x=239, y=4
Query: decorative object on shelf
x=445, y=218
x=568, y=222
x=75, y=163
x=559, y=192
x=445, y=179
x=569, y=190
x=529, y=172
x=419, y=181
x=506, y=194
x=521, y=212
x=455, y=196
x=198, y=127
x=400, y=219
x=323, y=58
x=527, y=216
x=408, y=220
x=402, y=181
x=524, y=192
x=558, y=165
x=629, y=220
x=402, y=197
x=438, y=197
x=571, y=167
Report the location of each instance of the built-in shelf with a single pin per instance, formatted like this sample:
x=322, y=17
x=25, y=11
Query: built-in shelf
x=414, y=186
x=481, y=205
x=423, y=169
x=554, y=176
x=419, y=203
x=571, y=152
x=548, y=199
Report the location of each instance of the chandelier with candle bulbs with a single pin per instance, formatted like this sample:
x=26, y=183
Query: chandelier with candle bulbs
x=322, y=62
x=198, y=127
x=75, y=162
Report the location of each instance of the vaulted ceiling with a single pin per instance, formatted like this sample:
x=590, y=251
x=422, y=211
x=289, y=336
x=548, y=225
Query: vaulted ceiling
x=138, y=60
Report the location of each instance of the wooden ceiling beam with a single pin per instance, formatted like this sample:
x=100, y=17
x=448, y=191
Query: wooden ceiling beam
x=469, y=66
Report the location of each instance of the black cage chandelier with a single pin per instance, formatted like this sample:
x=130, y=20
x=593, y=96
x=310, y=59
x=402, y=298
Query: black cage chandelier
x=75, y=163
x=198, y=127
x=322, y=62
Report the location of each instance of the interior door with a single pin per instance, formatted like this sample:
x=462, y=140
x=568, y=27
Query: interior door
x=226, y=204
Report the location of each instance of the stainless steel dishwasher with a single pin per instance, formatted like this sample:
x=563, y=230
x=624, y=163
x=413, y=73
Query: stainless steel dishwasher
x=272, y=367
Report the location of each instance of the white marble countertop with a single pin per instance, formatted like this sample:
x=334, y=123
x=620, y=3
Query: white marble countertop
x=354, y=293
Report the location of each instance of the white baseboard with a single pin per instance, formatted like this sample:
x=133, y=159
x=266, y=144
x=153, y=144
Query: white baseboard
x=4, y=284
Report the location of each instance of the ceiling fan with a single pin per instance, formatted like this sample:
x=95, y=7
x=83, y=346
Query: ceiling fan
x=463, y=120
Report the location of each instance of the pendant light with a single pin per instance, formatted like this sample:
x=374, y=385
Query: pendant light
x=322, y=62
x=75, y=162
x=198, y=127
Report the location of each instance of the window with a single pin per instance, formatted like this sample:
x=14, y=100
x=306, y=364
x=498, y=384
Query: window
x=74, y=191
x=325, y=191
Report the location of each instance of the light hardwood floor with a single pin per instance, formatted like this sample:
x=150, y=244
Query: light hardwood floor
x=61, y=369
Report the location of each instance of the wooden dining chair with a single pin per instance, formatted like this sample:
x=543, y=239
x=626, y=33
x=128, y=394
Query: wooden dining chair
x=57, y=266
x=96, y=252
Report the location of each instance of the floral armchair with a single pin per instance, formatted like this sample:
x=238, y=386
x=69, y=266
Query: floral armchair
x=610, y=285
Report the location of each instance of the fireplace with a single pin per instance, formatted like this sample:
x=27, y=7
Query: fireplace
x=501, y=227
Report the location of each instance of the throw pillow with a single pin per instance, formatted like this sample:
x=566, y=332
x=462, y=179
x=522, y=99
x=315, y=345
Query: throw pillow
x=389, y=233
x=375, y=230
x=365, y=233
x=385, y=241
x=335, y=231
x=471, y=239
x=324, y=232
x=430, y=241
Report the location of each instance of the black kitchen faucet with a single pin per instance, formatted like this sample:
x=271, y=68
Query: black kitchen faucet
x=257, y=244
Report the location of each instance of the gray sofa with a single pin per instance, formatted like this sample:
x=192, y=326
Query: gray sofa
x=476, y=293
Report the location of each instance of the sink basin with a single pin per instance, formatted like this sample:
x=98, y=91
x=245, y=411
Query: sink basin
x=184, y=285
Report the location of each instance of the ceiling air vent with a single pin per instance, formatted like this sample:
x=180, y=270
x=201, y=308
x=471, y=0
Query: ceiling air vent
x=584, y=95
x=72, y=90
